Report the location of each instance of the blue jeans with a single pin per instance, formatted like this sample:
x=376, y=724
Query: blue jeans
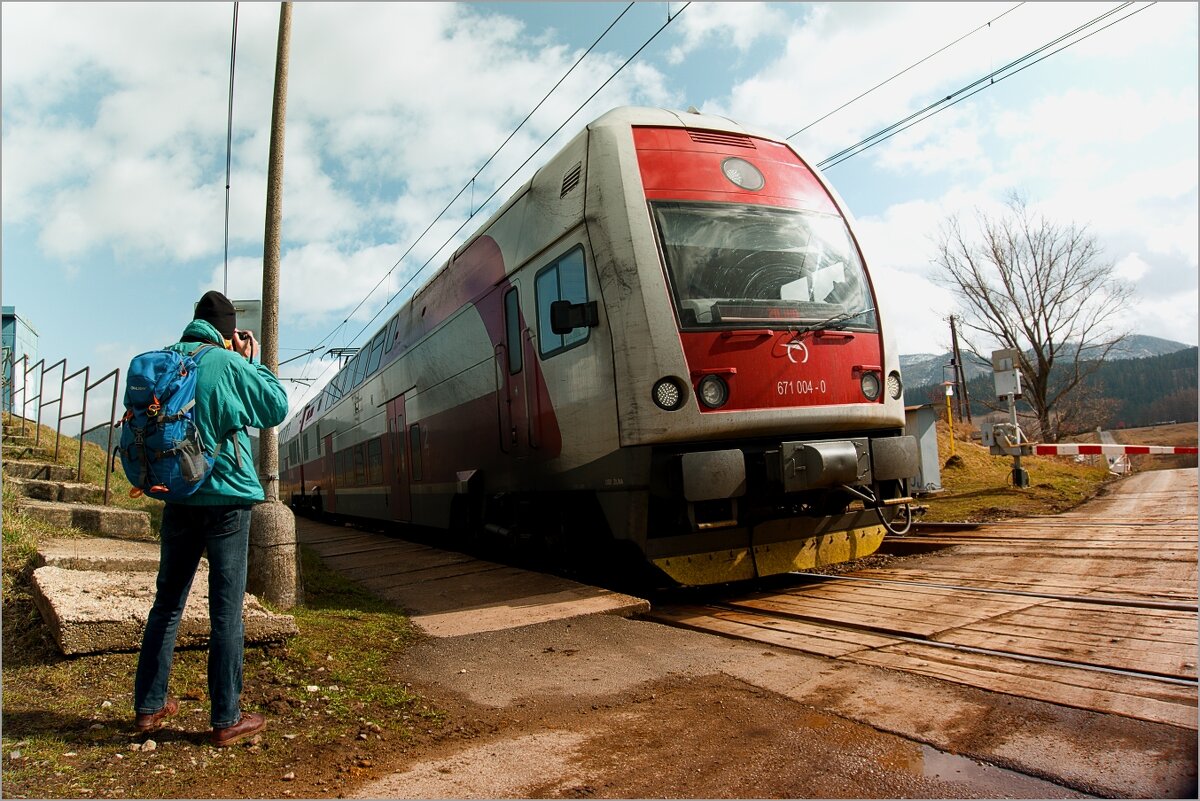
x=187, y=532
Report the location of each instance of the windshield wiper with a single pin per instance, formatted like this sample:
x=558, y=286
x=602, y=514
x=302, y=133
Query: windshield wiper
x=836, y=322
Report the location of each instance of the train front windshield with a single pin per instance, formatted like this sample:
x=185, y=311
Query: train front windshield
x=746, y=265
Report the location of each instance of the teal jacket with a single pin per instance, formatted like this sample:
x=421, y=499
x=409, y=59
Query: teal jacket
x=231, y=393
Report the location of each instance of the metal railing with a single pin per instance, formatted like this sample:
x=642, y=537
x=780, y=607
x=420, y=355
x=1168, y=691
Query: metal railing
x=88, y=386
x=37, y=437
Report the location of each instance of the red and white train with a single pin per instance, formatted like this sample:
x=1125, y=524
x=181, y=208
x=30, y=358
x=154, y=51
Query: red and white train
x=667, y=339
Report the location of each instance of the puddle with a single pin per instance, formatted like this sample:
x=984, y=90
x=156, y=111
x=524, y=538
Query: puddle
x=988, y=780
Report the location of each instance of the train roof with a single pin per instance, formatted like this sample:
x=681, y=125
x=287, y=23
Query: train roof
x=627, y=116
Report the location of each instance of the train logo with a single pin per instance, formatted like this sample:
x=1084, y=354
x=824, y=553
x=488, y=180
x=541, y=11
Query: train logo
x=793, y=346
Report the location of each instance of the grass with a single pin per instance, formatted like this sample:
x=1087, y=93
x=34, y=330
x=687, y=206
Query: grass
x=977, y=486
x=333, y=695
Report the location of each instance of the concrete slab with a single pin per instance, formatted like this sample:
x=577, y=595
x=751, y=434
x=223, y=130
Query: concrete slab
x=94, y=611
x=100, y=553
x=107, y=520
x=448, y=594
x=66, y=491
x=29, y=469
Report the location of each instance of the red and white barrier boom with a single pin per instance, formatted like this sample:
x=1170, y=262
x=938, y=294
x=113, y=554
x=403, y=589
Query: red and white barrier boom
x=1076, y=449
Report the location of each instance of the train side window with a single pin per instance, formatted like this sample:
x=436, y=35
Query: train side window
x=393, y=333
x=512, y=331
x=376, y=353
x=375, y=462
x=414, y=440
x=360, y=466
x=565, y=279
x=360, y=361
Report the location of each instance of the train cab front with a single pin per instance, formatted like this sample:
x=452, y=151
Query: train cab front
x=779, y=440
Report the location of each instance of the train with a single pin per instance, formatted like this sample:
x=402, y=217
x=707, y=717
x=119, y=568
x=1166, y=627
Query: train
x=665, y=343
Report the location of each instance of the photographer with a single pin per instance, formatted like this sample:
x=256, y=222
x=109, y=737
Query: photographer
x=232, y=392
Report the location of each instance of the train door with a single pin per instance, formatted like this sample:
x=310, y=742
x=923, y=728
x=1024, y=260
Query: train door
x=329, y=502
x=399, y=499
x=511, y=370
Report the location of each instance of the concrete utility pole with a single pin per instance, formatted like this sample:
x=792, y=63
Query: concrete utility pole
x=274, y=557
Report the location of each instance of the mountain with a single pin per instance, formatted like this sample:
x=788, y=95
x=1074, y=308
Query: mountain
x=923, y=370
x=926, y=370
x=1137, y=346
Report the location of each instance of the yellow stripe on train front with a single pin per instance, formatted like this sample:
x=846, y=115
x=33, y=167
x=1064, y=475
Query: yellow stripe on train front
x=737, y=564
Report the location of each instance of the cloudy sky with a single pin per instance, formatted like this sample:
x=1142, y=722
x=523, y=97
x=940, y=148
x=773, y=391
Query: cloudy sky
x=115, y=115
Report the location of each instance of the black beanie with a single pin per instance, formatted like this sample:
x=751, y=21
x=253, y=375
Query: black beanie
x=215, y=308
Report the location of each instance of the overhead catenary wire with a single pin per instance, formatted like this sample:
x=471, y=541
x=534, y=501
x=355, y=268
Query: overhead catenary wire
x=977, y=85
x=229, y=142
x=502, y=184
x=470, y=184
x=515, y=172
x=912, y=66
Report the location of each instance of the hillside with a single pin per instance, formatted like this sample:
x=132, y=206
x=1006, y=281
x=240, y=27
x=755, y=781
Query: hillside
x=1122, y=393
x=931, y=369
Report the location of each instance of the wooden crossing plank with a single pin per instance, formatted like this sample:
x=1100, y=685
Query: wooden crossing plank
x=796, y=635
x=874, y=612
x=1129, y=696
x=389, y=577
x=1015, y=635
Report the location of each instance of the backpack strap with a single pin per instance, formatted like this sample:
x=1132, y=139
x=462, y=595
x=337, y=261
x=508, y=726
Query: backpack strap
x=237, y=451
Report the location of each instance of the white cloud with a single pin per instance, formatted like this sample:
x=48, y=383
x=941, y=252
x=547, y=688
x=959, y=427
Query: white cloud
x=717, y=25
x=1131, y=268
x=319, y=282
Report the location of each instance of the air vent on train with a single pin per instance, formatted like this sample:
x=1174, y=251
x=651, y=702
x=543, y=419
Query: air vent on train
x=571, y=179
x=721, y=138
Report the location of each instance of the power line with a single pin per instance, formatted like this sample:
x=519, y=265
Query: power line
x=670, y=19
x=987, y=24
x=229, y=142
x=514, y=173
x=987, y=80
x=471, y=182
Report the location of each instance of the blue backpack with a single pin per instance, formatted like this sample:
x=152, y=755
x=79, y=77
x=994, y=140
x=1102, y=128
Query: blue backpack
x=161, y=450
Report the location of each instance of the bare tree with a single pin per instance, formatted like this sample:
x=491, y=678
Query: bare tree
x=1041, y=287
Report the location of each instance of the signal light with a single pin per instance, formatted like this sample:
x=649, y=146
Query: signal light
x=870, y=386
x=713, y=391
x=895, y=386
x=669, y=394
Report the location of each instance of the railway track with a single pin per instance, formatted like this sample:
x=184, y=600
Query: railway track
x=1093, y=612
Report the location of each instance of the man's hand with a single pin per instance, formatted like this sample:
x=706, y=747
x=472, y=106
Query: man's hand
x=245, y=343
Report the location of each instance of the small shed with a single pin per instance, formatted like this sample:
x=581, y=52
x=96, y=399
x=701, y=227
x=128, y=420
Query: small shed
x=921, y=422
x=20, y=339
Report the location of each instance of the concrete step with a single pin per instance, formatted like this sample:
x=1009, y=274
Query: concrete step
x=108, y=520
x=28, y=452
x=91, y=611
x=47, y=472
x=103, y=554
x=64, y=491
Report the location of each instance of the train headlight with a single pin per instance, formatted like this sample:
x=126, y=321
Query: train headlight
x=669, y=394
x=870, y=386
x=895, y=387
x=713, y=391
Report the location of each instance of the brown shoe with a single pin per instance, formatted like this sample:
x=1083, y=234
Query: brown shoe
x=154, y=720
x=250, y=724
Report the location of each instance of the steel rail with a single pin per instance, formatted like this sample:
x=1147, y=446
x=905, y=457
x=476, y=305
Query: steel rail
x=1043, y=660
x=1169, y=606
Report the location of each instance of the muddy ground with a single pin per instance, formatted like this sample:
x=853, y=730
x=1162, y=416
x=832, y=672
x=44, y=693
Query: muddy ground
x=610, y=708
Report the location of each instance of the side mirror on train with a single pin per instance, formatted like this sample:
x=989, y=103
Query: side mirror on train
x=566, y=316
